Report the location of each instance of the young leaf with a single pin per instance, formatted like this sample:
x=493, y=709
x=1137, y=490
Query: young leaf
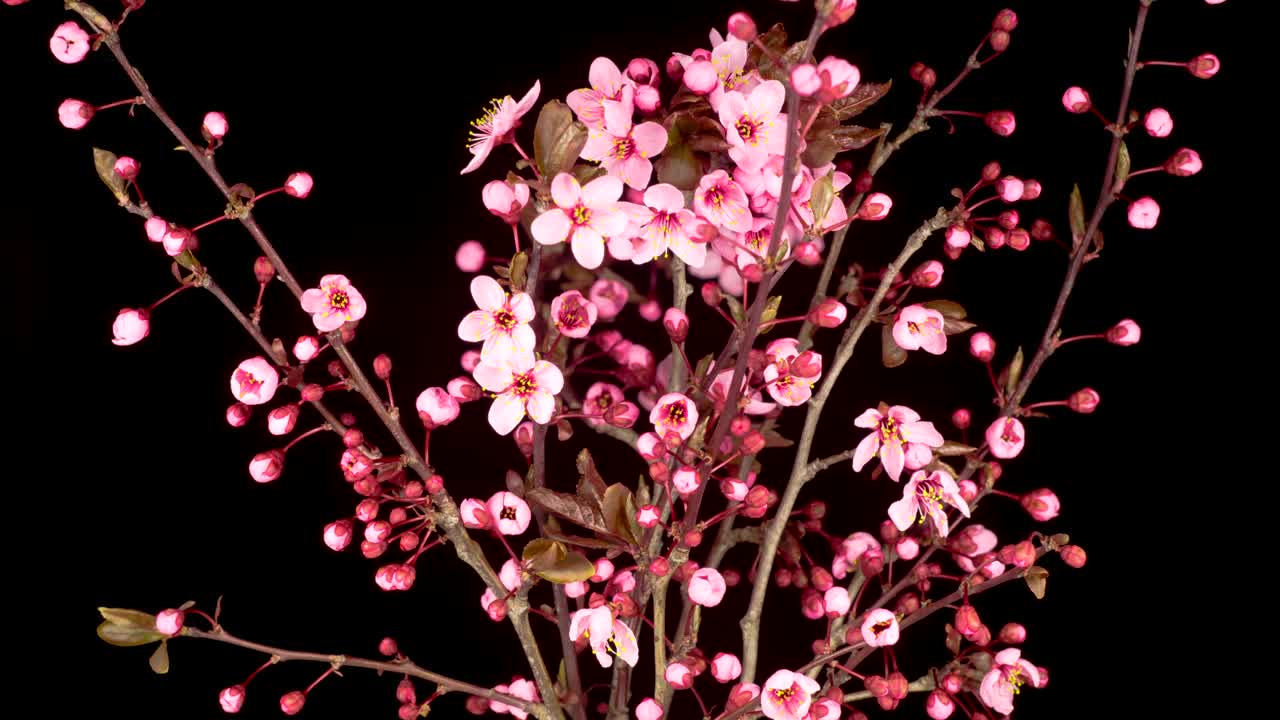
x=542, y=553
x=863, y=97
x=770, y=312
x=128, y=618
x=590, y=484
x=159, y=660
x=126, y=635
x=1122, y=165
x=1013, y=373
x=1036, y=578
x=620, y=513
x=104, y=161
x=575, y=509
x=891, y=354
x=854, y=137
x=557, y=139
x=1076, y=212
x=950, y=447
x=950, y=309
x=574, y=567
x=519, y=271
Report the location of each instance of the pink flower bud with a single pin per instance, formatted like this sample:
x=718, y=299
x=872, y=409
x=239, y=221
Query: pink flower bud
x=1010, y=189
x=470, y=256
x=266, y=466
x=741, y=694
x=836, y=601
x=1006, y=20
x=648, y=99
x=473, y=514
x=70, y=43
x=130, y=326
x=1185, y=162
x=156, y=228
x=1042, y=504
x=437, y=407
x=961, y=419
x=674, y=68
x=967, y=621
x=1019, y=239
x=676, y=324
x=306, y=348
x=238, y=414
x=982, y=346
x=367, y=510
x=829, y=313
x=939, y=705
x=1084, y=401
x=291, y=703
x=176, y=240
x=387, y=646
x=907, y=548
x=1202, y=66
x=504, y=200
x=1126, y=332
x=1158, y=122
x=281, y=420
x=623, y=414
x=127, y=168
x=1013, y=634
x=742, y=27
x=1143, y=213
x=644, y=71
x=958, y=237
x=649, y=709
x=648, y=516
x=875, y=207
x=1073, y=555
x=1006, y=437
x=169, y=622
x=650, y=310
x=1076, y=100
x=999, y=40
x=377, y=531
x=75, y=114
x=808, y=254
x=254, y=381
x=659, y=567
x=299, y=185
x=1001, y=122
x=1008, y=219
x=726, y=667
x=805, y=79
x=706, y=587
x=214, y=126
x=464, y=389
x=701, y=77
x=231, y=699
x=338, y=534
x=679, y=676
x=923, y=74
x=928, y=275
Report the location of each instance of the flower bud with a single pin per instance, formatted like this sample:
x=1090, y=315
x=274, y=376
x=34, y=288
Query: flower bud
x=957, y=236
x=676, y=324
x=939, y=705
x=999, y=40
x=875, y=207
x=700, y=77
x=231, y=699
x=238, y=414
x=1125, y=333
x=281, y=420
x=1006, y=20
x=623, y=414
x=1001, y=122
x=1204, y=66
x=1019, y=239
x=643, y=71
x=214, y=126
x=436, y=407
x=1041, y=230
x=1185, y=162
x=470, y=256
x=1144, y=213
x=982, y=346
x=1073, y=555
x=1042, y=504
x=808, y=253
x=928, y=275
x=266, y=466
x=1013, y=634
x=1084, y=401
x=131, y=326
x=176, y=240
x=648, y=516
x=711, y=294
x=299, y=185
x=1008, y=219
x=829, y=313
x=679, y=676
x=291, y=703
x=74, y=114
x=961, y=419
x=338, y=534
x=1158, y=122
x=659, y=566
x=127, y=168
x=742, y=27
x=1076, y=100
x=169, y=622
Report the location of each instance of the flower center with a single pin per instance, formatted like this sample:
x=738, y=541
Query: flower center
x=623, y=148
x=508, y=513
x=604, y=401
x=338, y=300
x=715, y=196
x=664, y=222
x=248, y=382
x=889, y=430
x=570, y=316
x=881, y=627
x=732, y=80
x=524, y=385
x=484, y=124
x=749, y=129
x=504, y=319
x=1010, y=433
x=783, y=694
x=675, y=413
x=1015, y=679
x=581, y=215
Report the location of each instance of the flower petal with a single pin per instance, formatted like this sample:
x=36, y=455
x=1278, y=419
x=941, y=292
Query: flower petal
x=565, y=191
x=893, y=458
x=588, y=248
x=903, y=512
x=548, y=377
x=487, y=293
x=476, y=326
x=651, y=139
x=866, y=450
x=540, y=405
x=505, y=413
x=494, y=377
x=602, y=192
x=550, y=227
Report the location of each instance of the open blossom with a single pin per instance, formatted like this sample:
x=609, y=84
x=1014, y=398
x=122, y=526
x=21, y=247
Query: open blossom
x=623, y=149
x=1008, y=673
x=495, y=126
x=649, y=709
x=572, y=314
x=521, y=688
x=754, y=126
x=606, y=636
x=502, y=322
x=790, y=374
x=786, y=695
x=70, y=42
x=335, y=302
x=880, y=628
x=924, y=496
x=599, y=398
x=583, y=216
x=676, y=413
x=254, y=381
x=130, y=326
x=508, y=512
x=919, y=328
x=607, y=83
x=665, y=225
x=722, y=202
x=894, y=431
x=1006, y=437
x=707, y=587
x=523, y=385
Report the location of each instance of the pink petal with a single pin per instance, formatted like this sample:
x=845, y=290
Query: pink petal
x=767, y=98
x=541, y=405
x=692, y=253
x=487, y=293
x=921, y=432
x=902, y=335
x=565, y=191
x=664, y=197
x=476, y=326
x=522, y=307
x=651, y=139
x=550, y=227
x=617, y=113
x=327, y=323
x=729, y=56
x=601, y=193
x=548, y=377
x=636, y=172
x=865, y=451
x=599, y=145
x=609, y=222
x=605, y=76
x=588, y=248
x=479, y=152
x=869, y=419
x=523, y=339
x=505, y=413
x=313, y=300
x=903, y=414
x=732, y=107
x=494, y=377
x=893, y=458
x=529, y=99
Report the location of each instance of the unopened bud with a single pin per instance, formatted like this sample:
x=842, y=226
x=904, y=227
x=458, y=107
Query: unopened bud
x=382, y=366
x=676, y=324
x=742, y=27
x=1084, y=401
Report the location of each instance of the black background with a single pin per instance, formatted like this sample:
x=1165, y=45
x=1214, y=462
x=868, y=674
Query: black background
x=136, y=492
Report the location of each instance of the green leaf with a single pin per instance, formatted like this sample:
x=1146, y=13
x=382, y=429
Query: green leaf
x=104, y=161
x=1036, y=578
x=574, y=567
x=678, y=165
x=950, y=309
x=557, y=139
x=580, y=541
x=159, y=660
x=126, y=635
x=620, y=513
x=821, y=195
x=542, y=553
x=1076, y=211
x=700, y=370
x=1122, y=165
x=863, y=97
x=735, y=309
x=770, y=312
x=1013, y=373
x=128, y=618
x=819, y=151
x=891, y=354
x=519, y=271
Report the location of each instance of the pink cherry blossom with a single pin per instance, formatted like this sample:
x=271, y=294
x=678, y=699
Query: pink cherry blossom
x=685, y=481
x=649, y=709
x=726, y=667
x=830, y=80
x=728, y=61
x=1143, y=213
x=521, y=688
x=606, y=635
x=474, y=514
x=509, y=513
x=648, y=516
x=893, y=431
x=722, y=202
x=1158, y=122
x=583, y=216
x=214, y=126
x=700, y=77
x=238, y=414
x=972, y=542
x=924, y=496
x=254, y=381
x=334, y=303
x=1008, y=673
x=754, y=126
x=928, y=275
x=231, y=699
x=707, y=587
x=299, y=185
x=130, y=326
x=982, y=346
x=306, y=348
x=281, y=420
x=607, y=82
x=623, y=149
x=505, y=201
x=678, y=674
x=1010, y=188
x=70, y=43
x=609, y=297
x=470, y=256
x=786, y=695
x=1204, y=66
x=1042, y=504
x=875, y=207
x=880, y=628
x=169, y=622
x=1006, y=437
x=1124, y=333
x=572, y=314
x=599, y=398
x=74, y=114
x=1076, y=100
x=522, y=385
x=676, y=413
x=497, y=124
x=266, y=466
x=789, y=376
x=338, y=534
x=919, y=328
x=665, y=225
x=502, y=322
x=836, y=601
x=1001, y=122
x=939, y=705
x=437, y=407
